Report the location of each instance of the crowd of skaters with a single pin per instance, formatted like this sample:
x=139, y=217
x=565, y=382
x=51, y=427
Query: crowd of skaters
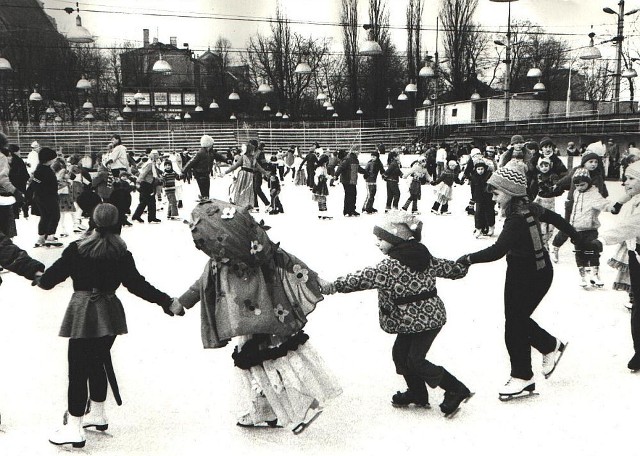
x=522, y=179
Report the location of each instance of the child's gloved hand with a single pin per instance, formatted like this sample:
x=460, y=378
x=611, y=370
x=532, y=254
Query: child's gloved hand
x=464, y=259
x=326, y=287
x=36, y=279
x=176, y=307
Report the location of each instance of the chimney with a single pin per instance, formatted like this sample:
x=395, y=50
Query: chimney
x=145, y=37
x=173, y=41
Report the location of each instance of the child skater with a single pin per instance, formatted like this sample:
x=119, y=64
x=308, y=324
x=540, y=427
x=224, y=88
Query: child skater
x=528, y=277
x=65, y=199
x=587, y=205
x=592, y=162
x=274, y=190
x=320, y=189
x=444, y=189
x=254, y=291
x=169, y=178
x=410, y=307
x=626, y=231
x=98, y=264
x=392, y=175
x=418, y=176
x=483, y=213
x=44, y=187
x=542, y=190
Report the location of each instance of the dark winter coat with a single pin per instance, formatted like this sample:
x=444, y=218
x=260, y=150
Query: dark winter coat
x=18, y=174
x=17, y=260
x=348, y=169
x=372, y=169
x=393, y=172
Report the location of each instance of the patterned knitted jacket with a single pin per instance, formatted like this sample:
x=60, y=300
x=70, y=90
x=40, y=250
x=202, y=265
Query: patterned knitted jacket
x=395, y=281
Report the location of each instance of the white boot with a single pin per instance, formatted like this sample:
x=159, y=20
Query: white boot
x=595, y=277
x=583, y=277
x=516, y=386
x=96, y=417
x=491, y=230
x=551, y=360
x=70, y=433
x=554, y=254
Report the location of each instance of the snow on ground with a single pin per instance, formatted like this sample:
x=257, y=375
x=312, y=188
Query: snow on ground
x=181, y=399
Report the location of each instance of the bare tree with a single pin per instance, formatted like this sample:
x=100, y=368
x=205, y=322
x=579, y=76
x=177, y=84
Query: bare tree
x=275, y=58
x=349, y=20
x=414, y=26
x=463, y=44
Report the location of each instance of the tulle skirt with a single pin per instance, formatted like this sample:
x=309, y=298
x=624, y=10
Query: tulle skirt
x=287, y=387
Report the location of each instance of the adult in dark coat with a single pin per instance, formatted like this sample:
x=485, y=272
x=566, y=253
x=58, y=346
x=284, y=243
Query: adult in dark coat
x=19, y=176
x=348, y=171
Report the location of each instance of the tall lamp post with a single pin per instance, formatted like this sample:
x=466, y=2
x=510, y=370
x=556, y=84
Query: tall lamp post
x=507, y=61
x=591, y=52
x=619, y=38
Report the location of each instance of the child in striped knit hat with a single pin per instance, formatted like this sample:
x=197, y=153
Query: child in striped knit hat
x=528, y=277
x=409, y=306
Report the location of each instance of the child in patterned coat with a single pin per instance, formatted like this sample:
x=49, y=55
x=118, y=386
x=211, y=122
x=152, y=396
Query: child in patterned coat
x=410, y=307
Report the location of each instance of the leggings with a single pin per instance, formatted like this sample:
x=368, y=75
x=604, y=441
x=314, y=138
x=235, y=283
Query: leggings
x=86, y=364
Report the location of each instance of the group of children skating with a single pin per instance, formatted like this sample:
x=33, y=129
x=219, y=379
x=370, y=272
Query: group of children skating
x=254, y=291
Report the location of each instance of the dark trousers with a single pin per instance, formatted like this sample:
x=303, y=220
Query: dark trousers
x=586, y=258
x=204, y=183
x=49, y=215
x=371, y=195
x=310, y=177
x=257, y=191
x=293, y=172
x=349, y=198
x=409, y=353
x=484, y=214
x=523, y=291
x=393, y=195
x=561, y=237
x=634, y=272
x=413, y=199
x=86, y=364
x=281, y=172
x=147, y=200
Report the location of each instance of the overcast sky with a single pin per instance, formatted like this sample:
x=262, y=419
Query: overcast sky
x=113, y=21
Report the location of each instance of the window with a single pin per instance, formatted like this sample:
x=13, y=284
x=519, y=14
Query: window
x=454, y=112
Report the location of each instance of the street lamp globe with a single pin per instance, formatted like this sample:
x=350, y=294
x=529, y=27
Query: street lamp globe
x=35, y=96
x=5, y=65
x=534, y=73
x=199, y=108
x=83, y=83
x=186, y=116
x=629, y=73
x=213, y=104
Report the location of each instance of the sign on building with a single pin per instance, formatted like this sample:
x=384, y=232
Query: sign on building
x=160, y=98
x=175, y=98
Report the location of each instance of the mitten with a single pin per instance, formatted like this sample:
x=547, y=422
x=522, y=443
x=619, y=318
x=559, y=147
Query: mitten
x=464, y=259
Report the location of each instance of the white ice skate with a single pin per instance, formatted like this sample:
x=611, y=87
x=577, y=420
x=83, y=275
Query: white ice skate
x=491, y=230
x=554, y=254
x=594, y=277
x=550, y=360
x=95, y=417
x=516, y=388
x=71, y=432
x=584, y=283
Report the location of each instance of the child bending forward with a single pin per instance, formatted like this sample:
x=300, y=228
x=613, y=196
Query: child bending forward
x=410, y=307
x=255, y=292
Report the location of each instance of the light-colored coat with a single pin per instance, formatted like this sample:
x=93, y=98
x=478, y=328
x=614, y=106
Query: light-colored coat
x=587, y=206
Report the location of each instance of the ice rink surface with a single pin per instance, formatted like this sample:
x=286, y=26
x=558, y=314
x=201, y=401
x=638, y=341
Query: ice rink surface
x=180, y=399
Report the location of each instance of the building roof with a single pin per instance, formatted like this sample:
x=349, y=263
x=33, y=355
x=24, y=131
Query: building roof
x=24, y=15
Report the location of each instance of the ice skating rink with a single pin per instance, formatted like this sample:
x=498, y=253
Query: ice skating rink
x=180, y=399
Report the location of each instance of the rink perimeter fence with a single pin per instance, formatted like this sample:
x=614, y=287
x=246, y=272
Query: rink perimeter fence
x=87, y=138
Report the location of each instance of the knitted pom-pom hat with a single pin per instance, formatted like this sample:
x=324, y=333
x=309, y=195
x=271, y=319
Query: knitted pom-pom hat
x=588, y=156
x=510, y=180
x=206, y=141
x=581, y=175
x=397, y=227
x=517, y=139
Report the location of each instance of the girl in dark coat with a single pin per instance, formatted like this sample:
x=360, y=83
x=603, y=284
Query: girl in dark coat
x=98, y=264
x=528, y=278
x=392, y=176
x=44, y=187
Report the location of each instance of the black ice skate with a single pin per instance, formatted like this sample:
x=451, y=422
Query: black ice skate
x=634, y=363
x=402, y=400
x=516, y=388
x=246, y=422
x=452, y=400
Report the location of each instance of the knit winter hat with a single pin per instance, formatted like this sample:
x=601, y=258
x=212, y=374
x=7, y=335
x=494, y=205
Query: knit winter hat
x=510, y=180
x=546, y=141
x=633, y=170
x=105, y=218
x=544, y=160
x=581, y=175
x=206, y=141
x=588, y=156
x=45, y=154
x=517, y=139
x=398, y=226
x=475, y=151
x=35, y=144
x=452, y=164
x=481, y=164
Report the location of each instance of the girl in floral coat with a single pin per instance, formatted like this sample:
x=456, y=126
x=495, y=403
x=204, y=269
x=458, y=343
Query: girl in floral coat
x=254, y=291
x=410, y=307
